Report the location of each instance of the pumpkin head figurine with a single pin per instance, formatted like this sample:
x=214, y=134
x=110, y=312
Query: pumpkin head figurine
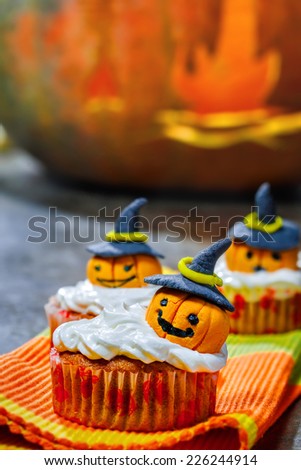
x=189, y=309
x=264, y=241
x=124, y=259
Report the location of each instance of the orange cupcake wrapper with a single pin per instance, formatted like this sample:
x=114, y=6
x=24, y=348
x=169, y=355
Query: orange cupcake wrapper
x=134, y=401
x=267, y=316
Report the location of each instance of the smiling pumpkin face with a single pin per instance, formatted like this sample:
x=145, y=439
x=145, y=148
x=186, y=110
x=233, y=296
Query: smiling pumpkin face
x=243, y=258
x=124, y=271
x=188, y=320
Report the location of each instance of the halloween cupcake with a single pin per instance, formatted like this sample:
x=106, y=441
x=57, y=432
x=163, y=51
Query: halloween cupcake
x=136, y=371
x=260, y=270
x=120, y=262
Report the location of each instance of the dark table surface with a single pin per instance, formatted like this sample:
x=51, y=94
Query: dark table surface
x=33, y=271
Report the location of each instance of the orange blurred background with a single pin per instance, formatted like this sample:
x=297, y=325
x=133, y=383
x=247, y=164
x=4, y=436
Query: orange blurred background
x=155, y=94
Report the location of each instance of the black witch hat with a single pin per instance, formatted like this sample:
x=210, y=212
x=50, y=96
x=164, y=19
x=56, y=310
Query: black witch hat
x=125, y=239
x=263, y=228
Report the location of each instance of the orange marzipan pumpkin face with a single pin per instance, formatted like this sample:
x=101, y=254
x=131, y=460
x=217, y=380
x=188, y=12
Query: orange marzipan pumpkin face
x=240, y=257
x=124, y=271
x=188, y=320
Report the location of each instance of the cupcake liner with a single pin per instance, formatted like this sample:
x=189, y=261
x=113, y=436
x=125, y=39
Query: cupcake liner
x=56, y=316
x=267, y=315
x=125, y=400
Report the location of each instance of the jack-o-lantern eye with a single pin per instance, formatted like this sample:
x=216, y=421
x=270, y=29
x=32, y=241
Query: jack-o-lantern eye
x=249, y=254
x=193, y=319
x=97, y=268
x=127, y=267
x=164, y=302
x=276, y=255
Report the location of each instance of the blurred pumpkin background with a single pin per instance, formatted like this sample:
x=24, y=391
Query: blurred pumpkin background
x=191, y=103
x=155, y=94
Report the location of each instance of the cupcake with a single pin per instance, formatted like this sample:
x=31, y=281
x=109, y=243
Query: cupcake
x=132, y=370
x=260, y=270
x=121, y=262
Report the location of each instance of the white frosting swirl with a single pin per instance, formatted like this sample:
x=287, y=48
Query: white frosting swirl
x=85, y=297
x=126, y=332
x=284, y=282
x=280, y=278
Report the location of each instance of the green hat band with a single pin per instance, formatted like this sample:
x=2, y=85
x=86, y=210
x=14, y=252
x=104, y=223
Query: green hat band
x=251, y=221
x=199, y=278
x=126, y=237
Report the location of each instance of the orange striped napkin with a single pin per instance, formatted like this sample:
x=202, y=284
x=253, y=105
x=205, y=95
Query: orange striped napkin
x=261, y=379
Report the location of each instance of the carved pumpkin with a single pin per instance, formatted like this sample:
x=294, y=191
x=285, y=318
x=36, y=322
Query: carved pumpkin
x=90, y=86
x=243, y=258
x=188, y=320
x=124, y=271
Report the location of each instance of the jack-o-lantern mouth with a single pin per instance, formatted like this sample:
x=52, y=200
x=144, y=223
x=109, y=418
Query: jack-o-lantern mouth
x=112, y=283
x=172, y=330
x=258, y=268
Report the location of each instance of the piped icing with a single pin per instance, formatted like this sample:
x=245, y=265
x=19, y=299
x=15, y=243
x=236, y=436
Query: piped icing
x=126, y=332
x=86, y=297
